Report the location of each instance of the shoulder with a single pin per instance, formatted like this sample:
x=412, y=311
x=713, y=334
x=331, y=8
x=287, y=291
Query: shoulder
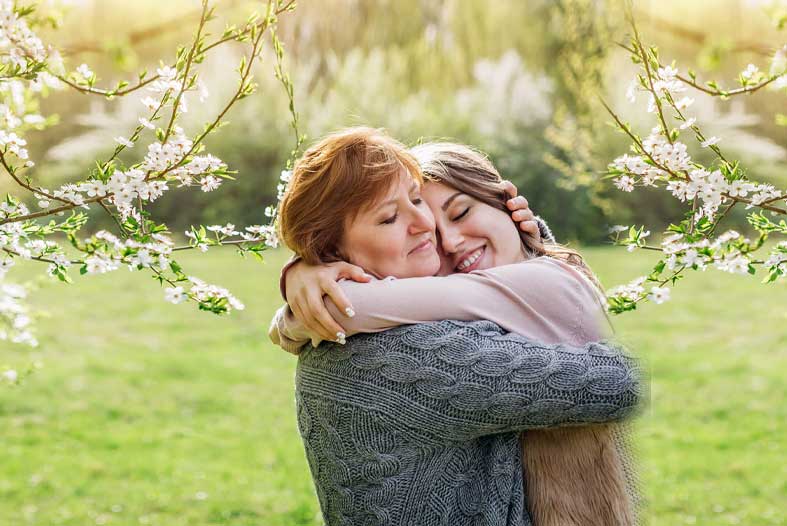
x=547, y=276
x=434, y=344
x=545, y=268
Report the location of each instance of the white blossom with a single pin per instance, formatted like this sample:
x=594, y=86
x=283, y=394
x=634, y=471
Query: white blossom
x=34, y=119
x=229, y=230
x=667, y=81
x=632, y=291
x=265, y=232
x=680, y=189
x=84, y=71
x=166, y=82
x=175, y=295
x=631, y=91
x=740, y=265
x=710, y=142
x=692, y=257
x=150, y=103
x=205, y=292
x=684, y=103
x=779, y=61
x=740, y=188
x=750, y=71
x=625, y=183
x=659, y=295
x=209, y=183
x=673, y=156
x=94, y=188
x=125, y=142
x=763, y=193
x=98, y=264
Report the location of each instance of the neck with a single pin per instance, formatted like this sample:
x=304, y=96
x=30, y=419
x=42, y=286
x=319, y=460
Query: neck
x=524, y=254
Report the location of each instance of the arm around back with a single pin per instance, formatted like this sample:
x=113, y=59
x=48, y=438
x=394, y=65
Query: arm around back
x=455, y=381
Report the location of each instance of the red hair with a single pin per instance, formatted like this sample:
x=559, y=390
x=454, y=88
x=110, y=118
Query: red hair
x=346, y=172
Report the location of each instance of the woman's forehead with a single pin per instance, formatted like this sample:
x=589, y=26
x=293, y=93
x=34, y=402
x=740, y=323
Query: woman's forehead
x=438, y=190
x=403, y=184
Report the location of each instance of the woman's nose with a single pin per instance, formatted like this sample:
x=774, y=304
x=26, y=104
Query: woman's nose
x=451, y=240
x=422, y=221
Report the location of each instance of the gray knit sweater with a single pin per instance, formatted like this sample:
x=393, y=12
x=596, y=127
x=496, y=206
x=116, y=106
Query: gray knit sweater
x=418, y=425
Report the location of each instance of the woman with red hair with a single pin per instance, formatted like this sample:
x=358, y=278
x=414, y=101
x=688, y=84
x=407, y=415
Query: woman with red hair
x=419, y=424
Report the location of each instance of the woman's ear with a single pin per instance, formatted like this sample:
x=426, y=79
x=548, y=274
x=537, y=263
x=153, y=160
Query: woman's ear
x=339, y=253
x=335, y=255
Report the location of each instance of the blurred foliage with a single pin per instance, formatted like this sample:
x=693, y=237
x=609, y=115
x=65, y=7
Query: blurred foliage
x=518, y=79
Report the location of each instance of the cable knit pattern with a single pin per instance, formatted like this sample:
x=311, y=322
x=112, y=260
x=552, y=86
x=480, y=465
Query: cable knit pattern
x=418, y=425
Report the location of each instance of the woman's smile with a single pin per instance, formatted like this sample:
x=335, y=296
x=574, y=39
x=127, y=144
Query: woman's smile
x=424, y=246
x=470, y=260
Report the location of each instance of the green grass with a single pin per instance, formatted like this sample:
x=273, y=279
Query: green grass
x=147, y=413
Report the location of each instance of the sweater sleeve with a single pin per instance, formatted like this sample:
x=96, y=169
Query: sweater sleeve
x=455, y=381
x=542, y=298
x=544, y=230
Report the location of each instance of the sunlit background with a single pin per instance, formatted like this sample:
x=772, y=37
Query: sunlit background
x=518, y=79
x=148, y=413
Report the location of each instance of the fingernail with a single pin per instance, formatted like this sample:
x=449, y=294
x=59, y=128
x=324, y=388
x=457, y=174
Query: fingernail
x=350, y=313
x=341, y=338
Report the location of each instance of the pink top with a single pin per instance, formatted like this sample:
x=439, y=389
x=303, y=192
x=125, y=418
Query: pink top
x=541, y=298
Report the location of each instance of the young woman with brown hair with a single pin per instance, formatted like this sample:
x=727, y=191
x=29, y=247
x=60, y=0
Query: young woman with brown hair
x=550, y=299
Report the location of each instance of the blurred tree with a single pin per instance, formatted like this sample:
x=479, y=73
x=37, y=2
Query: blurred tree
x=519, y=79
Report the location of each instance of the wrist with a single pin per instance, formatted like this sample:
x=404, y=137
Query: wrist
x=283, y=276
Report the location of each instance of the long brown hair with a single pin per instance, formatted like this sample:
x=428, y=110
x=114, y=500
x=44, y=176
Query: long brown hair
x=471, y=172
x=344, y=173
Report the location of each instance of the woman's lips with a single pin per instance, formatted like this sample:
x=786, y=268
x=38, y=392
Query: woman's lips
x=476, y=256
x=422, y=246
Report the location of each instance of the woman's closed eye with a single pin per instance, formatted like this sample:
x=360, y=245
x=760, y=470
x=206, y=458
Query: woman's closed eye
x=391, y=220
x=463, y=214
x=417, y=201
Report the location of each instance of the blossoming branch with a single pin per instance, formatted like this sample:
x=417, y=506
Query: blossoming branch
x=661, y=159
x=49, y=225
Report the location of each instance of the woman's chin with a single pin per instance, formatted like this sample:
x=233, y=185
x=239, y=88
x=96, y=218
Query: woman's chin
x=433, y=268
x=427, y=266
x=430, y=267
x=424, y=264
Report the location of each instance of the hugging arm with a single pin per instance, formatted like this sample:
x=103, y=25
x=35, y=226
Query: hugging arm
x=542, y=298
x=456, y=381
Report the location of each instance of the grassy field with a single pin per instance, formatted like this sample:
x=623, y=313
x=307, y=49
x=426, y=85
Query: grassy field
x=147, y=413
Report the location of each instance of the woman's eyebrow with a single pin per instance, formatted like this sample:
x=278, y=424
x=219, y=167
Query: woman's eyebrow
x=448, y=201
x=392, y=201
